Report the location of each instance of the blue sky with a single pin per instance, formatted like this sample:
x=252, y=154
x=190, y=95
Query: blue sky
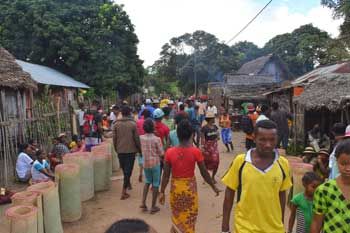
x=157, y=21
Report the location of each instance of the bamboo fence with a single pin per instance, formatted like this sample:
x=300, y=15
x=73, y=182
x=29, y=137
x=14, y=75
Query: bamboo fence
x=46, y=122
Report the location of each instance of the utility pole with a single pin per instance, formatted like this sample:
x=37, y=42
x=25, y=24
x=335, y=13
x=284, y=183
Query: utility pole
x=195, y=74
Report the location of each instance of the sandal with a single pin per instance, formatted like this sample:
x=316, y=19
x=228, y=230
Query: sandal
x=143, y=208
x=124, y=196
x=155, y=210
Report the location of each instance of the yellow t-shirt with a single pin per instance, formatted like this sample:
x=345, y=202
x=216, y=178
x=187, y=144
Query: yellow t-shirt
x=259, y=209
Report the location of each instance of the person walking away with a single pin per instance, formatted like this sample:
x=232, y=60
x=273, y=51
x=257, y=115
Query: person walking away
x=280, y=117
x=338, y=132
x=152, y=150
x=161, y=130
x=196, y=126
x=173, y=138
x=226, y=132
x=148, y=106
x=320, y=164
x=80, y=115
x=167, y=120
x=126, y=143
x=171, y=106
x=331, y=205
x=301, y=204
x=139, y=125
x=264, y=111
x=212, y=108
x=41, y=169
x=180, y=162
x=209, y=141
x=201, y=110
x=182, y=111
x=24, y=163
x=115, y=113
x=92, y=127
x=260, y=178
x=247, y=124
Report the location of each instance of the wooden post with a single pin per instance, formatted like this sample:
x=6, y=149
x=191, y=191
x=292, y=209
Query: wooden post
x=58, y=109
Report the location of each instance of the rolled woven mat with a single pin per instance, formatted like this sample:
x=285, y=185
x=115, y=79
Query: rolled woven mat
x=102, y=168
x=23, y=219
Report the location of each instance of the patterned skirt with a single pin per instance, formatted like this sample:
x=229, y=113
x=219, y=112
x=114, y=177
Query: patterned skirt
x=211, y=154
x=226, y=135
x=184, y=204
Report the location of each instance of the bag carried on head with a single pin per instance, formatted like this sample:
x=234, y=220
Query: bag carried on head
x=90, y=126
x=247, y=124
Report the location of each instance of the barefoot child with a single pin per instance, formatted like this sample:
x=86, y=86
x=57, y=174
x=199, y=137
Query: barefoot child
x=301, y=204
x=332, y=199
x=152, y=150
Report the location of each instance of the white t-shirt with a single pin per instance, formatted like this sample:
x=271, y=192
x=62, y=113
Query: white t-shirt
x=36, y=168
x=112, y=117
x=262, y=117
x=23, y=165
x=212, y=109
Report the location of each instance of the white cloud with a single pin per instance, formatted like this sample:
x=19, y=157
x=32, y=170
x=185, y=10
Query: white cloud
x=156, y=21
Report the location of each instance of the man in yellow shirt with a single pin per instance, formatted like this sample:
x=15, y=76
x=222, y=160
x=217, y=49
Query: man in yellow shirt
x=260, y=178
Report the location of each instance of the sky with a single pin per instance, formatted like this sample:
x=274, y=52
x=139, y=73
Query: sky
x=157, y=21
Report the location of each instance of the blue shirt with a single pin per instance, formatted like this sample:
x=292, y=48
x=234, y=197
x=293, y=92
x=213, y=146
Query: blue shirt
x=174, y=140
x=149, y=108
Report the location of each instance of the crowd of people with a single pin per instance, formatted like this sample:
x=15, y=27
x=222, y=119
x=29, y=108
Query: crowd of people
x=169, y=138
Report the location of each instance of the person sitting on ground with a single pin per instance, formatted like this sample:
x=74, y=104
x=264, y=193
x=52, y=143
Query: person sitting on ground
x=130, y=226
x=152, y=151
x=24, y=163
x=301, y=204
x=41, y=169
x=34, y=144
x=321, y=164
x=59, y=150
x=76, y=144
x=308, y=154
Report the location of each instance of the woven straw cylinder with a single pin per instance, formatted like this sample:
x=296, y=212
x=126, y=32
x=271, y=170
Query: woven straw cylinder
x=102, y=167
x=31, y=198
x=23, y=219
x=86, y=174
x=68, y=178
x=115, y=161
x=51, y=206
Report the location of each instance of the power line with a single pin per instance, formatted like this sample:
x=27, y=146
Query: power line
x=251, y=21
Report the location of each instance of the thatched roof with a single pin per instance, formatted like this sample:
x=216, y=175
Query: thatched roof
x=251, y=80
x=325, y=92
x=12, y=75
x=255, y=66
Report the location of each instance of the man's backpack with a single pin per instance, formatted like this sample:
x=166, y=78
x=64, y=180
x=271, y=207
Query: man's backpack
x=90, y=126
x=247, y=124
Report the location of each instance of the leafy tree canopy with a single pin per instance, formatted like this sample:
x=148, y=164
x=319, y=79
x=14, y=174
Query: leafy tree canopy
x=91, y=40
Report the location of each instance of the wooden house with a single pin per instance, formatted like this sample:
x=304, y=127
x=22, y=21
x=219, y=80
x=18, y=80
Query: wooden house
x=254, y=79
x=16, y=98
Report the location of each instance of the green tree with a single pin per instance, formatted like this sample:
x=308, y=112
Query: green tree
x=247, y=51
x=91, y=40
x=198, y=55
x=302, y=49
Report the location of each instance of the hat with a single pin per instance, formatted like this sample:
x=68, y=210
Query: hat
x=324, y=152
x=125, y=102
x=309, y=150
x=171, y=102
x=209, y=115
x=158, y=113
x=148, y=101
x=156, y=101
x=61, y=135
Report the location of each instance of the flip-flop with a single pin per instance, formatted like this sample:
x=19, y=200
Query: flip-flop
x=154, y=210
x=125, y=196
x=143, y=208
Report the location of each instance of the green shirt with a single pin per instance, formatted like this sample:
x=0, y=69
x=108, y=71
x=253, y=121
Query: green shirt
x=305, y=207
x=170, y=123
x=330, y=202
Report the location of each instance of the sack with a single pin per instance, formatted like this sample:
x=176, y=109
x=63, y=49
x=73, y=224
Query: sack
x=247, y=125
x=90, y=126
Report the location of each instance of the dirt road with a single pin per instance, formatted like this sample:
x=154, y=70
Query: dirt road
x=106, y=207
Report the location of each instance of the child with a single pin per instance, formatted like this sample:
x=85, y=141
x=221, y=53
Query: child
x=301, y=204
x=226, y=133
x=321, y=164
x=332, y=199
x=152, y=150
x=75, y=144
x=41, y=169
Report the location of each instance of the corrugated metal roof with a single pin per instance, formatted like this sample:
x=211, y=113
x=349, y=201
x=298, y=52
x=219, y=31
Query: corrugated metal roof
x=341, y=68
x=46, y=75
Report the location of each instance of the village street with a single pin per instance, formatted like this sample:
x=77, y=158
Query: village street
x=106, y=207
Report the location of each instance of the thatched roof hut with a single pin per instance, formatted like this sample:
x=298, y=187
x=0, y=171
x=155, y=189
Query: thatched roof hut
x=12, y=75
x=325, y=92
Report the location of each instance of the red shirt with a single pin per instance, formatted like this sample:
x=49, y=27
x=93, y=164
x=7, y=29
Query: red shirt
x=161, y=130
x=139, y=126
x=183, y=161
